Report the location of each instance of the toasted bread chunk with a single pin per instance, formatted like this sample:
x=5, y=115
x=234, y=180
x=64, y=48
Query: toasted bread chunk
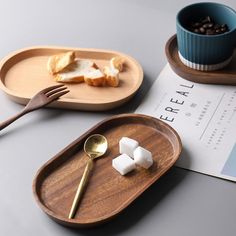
x=111, y=76
x=117, y=63
x=58, y=62
x=95, y=78
x=75, y=72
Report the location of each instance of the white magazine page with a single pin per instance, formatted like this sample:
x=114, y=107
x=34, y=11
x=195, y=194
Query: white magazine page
x=205, y=118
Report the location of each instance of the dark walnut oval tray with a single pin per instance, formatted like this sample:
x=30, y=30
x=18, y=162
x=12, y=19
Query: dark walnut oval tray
x=226, y=76
x=108, y=192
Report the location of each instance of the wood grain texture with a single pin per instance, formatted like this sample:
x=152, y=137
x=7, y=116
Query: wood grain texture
x=108, y=192
x=23, y=73
x=226, y=76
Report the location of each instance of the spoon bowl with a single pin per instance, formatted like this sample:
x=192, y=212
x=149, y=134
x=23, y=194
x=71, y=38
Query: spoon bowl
x=95, y=146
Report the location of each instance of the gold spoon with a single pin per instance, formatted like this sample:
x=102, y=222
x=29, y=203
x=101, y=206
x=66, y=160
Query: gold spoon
x=95, y=146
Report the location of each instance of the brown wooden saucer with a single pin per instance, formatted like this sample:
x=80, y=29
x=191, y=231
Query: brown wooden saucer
x=226, y=76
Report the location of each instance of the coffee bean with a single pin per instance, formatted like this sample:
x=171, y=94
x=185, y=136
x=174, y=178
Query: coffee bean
x=216, y=26
x=210, y=32
x=207, y=26
x=206, y=19
x=222, y=29
x=196, y=31
x=197, y=25
x=202, y=30
x=209, y=19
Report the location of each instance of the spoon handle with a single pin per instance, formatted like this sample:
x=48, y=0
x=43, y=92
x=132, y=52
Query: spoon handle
x=80, y=189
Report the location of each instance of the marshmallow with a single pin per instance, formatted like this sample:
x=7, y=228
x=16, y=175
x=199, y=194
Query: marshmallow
x=127, y=146
x=143, y=157
x=123, y=164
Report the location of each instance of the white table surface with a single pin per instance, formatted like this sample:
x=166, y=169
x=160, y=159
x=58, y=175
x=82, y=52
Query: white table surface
x=180, y=203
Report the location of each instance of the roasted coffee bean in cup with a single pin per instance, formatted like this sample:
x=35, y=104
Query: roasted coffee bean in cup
x=207, y=26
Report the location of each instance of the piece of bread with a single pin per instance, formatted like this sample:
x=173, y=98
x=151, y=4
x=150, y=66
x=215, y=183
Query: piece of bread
x=59, y=62
x=75, y=72
x=117, y=63
x=95, y=78
x=111, y=76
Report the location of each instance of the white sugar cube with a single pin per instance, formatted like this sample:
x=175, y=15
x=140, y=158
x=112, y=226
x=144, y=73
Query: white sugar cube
x=127, y=146
x=143, y=157
x=123, y=164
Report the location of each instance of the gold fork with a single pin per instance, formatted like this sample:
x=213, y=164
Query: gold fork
x=41, y=99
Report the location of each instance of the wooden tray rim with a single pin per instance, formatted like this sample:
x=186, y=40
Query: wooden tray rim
x=73, y=222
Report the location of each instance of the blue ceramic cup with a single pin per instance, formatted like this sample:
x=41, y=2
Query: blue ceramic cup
x=206, y=52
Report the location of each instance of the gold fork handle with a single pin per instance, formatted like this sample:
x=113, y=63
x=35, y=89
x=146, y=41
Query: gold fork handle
x=12, y=119
x=81, y=188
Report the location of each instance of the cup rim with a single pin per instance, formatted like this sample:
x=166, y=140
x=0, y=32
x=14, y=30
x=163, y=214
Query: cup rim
x=203, y=35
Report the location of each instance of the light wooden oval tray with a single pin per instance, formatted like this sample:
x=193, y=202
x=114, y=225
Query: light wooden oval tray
x=225, y=76
x=108, y=192
x=24, y=73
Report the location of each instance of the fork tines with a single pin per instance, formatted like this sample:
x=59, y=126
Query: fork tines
x=56, y=91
